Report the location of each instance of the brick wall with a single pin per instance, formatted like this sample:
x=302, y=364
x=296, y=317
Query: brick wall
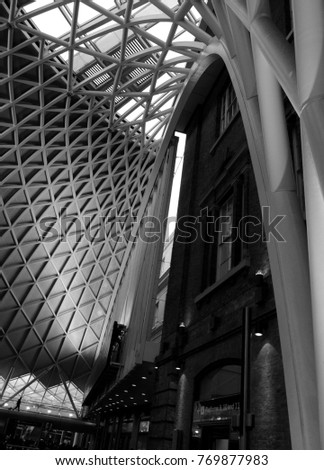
x=268, y=395
x=213, y=317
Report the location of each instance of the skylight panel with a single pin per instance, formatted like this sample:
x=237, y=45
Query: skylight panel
x=37, y=4
x=193, y=14
x=101, y=30
x=150, y=125
x=157, y=97
x=133, y=115
x=162, y=79
x=184, y=36
x=52, y=22
x=167, y=105
x=85, y=13
x=109, y=41
x=126, y=107
x=65, y=56
x=157, y=131
x=172, y=55
x=107, y=4
x=159, y=135
x=149, y=10
x=161, y=30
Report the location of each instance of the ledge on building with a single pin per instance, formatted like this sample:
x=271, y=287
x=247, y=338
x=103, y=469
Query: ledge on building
x=245, y=263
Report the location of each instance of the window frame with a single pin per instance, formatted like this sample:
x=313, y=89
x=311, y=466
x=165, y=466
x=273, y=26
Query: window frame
x=228, y=108
x=295, y=143
x=211, y=255
x=224, y=232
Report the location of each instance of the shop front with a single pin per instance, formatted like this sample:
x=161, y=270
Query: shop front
x=216, y=412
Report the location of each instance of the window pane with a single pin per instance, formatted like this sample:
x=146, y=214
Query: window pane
x=224, y=250
x=228, y=107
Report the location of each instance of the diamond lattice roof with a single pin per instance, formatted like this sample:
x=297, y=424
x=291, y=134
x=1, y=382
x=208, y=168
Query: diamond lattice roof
x=86, y=91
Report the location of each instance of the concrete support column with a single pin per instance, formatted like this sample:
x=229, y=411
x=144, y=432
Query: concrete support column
x=289, y=258
x=77, y=439
x=309, y=47
x=163, y=409
x=135, y=429
x=315, y=226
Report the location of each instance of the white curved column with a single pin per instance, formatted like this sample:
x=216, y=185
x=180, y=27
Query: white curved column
x=289, y=264
x=289, y=261
x=309, y=46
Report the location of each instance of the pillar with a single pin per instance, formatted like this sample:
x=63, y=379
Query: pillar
x=289, y=259
x=309, y=45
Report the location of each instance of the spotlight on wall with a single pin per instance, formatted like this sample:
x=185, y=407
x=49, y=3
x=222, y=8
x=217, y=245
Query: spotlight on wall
x=182, y=330
x=178, y=365
x=259, y=328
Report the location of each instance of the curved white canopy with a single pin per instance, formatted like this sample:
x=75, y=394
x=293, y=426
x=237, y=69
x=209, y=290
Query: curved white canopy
x=87, y=89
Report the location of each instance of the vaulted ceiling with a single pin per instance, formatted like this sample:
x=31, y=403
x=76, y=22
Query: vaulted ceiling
x=87, y=88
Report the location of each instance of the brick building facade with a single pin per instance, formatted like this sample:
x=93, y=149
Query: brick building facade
x=219, y=276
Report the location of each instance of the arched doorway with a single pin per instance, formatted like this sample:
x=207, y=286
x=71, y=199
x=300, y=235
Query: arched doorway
x=216, y=412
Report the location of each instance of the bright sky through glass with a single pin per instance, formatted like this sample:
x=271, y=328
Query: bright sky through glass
x=174, y=200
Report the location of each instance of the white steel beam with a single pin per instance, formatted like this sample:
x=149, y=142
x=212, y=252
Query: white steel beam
x=289, y=260
x=309, y=45
x=292, y=280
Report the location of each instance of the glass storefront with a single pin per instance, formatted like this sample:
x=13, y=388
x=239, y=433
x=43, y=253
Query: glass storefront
x=216, y=413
